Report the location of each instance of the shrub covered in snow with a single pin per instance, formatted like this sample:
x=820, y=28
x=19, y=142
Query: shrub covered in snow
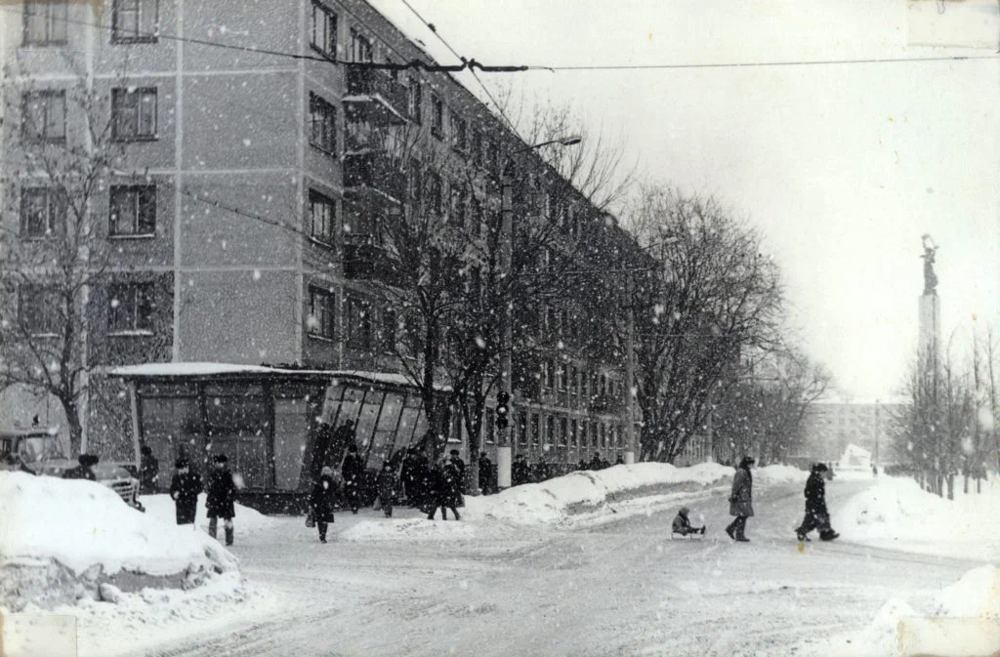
x=60, y=540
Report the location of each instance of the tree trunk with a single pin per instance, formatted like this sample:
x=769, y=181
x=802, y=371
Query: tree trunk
x=979, y=486
x=965, y=483
x=950, y=479
x=72, y=411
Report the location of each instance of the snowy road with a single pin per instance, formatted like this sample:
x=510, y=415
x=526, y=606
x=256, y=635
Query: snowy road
x=619, y=589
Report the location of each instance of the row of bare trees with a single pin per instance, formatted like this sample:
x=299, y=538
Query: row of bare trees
x=946, y=428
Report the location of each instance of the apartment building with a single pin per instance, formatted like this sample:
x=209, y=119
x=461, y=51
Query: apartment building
x=259, y=152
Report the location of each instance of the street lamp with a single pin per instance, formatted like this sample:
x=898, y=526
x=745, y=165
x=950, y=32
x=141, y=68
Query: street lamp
x=504, y=441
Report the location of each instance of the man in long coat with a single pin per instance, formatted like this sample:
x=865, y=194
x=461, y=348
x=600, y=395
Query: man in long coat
x=741, y=501
x=184, y=489
x=221, y=499
x=817, y=515
x=353, y=470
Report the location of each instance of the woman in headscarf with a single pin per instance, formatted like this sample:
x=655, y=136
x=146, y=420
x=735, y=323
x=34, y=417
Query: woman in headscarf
x=740, y=501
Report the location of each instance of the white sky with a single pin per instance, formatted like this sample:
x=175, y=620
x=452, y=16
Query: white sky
x=843, y=167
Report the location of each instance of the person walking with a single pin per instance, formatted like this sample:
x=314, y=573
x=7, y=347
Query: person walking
x=84, y=469
x=352, y=470
x=740, y=501
x=321, y=501
x=520, y=471
x=486, y=474
x=184, y=490
x=817, y=516
x=443, y=491
x=221, y=502
x=149, y=469
x=458, y=472
x=387, y=484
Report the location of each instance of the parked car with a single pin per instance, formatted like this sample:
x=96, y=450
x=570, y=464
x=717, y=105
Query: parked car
x=40, y=452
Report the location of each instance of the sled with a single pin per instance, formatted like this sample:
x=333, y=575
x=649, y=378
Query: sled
x=674, y=536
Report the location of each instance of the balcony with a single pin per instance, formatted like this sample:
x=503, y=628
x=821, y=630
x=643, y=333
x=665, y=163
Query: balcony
x=368, y=262
x=374, y=172
x=374, y=96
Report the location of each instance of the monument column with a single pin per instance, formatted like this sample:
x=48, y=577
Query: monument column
x=929, y=305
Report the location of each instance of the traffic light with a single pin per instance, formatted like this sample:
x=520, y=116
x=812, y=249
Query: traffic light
x=503, y=412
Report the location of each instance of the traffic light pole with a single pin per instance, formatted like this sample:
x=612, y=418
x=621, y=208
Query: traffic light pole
x=504, y=434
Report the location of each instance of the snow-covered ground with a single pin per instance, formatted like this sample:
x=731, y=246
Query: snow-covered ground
x=579, y=565
x=247, y=520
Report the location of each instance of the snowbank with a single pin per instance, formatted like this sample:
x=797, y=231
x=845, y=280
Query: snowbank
x=247, y=521
x=963, y=622
x=895, y=513
x=61, y=540
x=779, y=474
x=558, y=499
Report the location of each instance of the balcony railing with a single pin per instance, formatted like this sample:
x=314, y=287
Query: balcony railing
x=376, y=94
x=374, y=172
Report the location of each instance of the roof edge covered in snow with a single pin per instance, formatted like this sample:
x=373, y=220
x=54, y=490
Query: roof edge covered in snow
x=210, y=370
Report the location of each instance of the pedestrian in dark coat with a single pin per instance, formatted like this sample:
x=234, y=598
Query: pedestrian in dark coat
x=595, y=462
x=387, y=484
x=458, y=466
x=184, y=490
x=353, y=470
x=444, y=488
x=582, y=465
x=486, y=483
x=740, y=501
x=519, y=471
x=817, y=516
x=149, y=469
x=83, y=470
x=321, y=501
x=221, y=501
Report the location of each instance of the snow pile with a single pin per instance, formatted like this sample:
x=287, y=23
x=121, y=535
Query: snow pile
x=965, y=622
x=585, y=491
x=895, y=513
x=61, y=540
x=408, y=529
x=779, y=474
x=247, y=521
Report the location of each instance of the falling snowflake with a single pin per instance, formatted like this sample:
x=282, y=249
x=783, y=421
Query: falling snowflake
x=256, y=274
x=480, y=342
x=114, y=303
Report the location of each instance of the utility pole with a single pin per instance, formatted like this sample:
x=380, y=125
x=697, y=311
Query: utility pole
x=630, y=371
x=505, y=443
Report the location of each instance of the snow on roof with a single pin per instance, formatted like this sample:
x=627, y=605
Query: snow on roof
x=181, y=370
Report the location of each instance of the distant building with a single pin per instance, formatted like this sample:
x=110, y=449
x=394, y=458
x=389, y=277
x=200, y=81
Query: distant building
x=831, y=427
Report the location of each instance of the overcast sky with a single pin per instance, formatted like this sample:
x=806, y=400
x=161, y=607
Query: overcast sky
x=843, y=167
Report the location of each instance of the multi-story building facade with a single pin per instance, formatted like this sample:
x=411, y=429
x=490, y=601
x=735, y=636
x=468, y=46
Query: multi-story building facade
x=259, y=152
x=831, y=426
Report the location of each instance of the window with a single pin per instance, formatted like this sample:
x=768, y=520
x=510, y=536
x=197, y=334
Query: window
x=573, y=381
x=135, y=21
x=535, y=429
x=387, y=334
x=43, y=212
x=583, y=434
x=322, y=124
x=414, y=98
x=550, y=375
x=562, y=377
x=324, y=30
x=320, y=323
x=593, y=434
x=133, y=114
x=550, y=429
x=361, y=48
x=572, y=432
x=131, y=308
x=563, y=432
x=44, y=115
x=437, y=116
x=604, y=435
x=522, y=428
x=45, y=22
x=322, y=217
x=358, y=324
x=489, y=428
x=459, y=133
x=40, y=310
x=133, y=210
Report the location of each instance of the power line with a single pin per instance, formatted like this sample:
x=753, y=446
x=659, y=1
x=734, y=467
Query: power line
x=814, y=62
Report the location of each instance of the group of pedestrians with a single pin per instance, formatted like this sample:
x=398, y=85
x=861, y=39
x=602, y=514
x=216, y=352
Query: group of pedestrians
x=220, y=501
x=817, y=516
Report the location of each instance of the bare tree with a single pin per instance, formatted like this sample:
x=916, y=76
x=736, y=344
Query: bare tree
x=712, y=296
x=61, y=152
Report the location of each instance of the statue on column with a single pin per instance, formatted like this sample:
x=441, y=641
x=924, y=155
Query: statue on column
x=930, y=278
